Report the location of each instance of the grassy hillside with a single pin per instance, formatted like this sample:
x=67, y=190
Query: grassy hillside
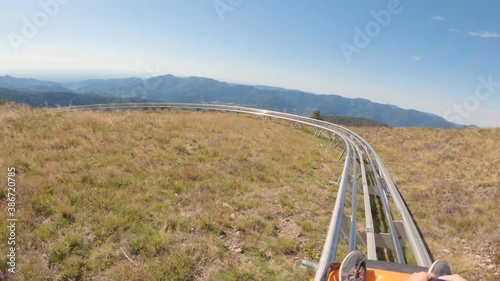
x=186, y=196
x=212, y=196
x=450, y=180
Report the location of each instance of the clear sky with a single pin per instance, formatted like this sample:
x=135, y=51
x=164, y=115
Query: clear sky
x=440, y=56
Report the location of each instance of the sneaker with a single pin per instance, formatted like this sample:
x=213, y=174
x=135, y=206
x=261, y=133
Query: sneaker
x=353, y=267
x=440, y=268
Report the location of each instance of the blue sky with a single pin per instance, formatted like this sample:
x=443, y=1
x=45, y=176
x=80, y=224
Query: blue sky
x=440, y=56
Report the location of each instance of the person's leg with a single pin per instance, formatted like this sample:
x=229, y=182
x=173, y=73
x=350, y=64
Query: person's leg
x=353, y=267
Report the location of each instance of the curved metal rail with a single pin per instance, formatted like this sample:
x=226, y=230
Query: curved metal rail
x=361, y=162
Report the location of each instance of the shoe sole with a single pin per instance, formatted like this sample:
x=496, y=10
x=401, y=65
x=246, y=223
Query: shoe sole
x=351, y=254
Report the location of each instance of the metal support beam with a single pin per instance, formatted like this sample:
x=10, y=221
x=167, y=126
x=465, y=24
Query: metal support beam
x=333, y=141
x=373, y=190
x=337, y=144
x=318, y=132
x=307, y=264
x=342, y=154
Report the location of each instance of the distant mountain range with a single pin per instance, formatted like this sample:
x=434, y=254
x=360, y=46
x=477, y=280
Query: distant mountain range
x=53, y=99
x=169, y=88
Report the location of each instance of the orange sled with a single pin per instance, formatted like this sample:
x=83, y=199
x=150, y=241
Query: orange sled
x=381, y=271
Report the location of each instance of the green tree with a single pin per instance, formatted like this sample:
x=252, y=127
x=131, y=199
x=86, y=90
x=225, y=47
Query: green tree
x=316, y=114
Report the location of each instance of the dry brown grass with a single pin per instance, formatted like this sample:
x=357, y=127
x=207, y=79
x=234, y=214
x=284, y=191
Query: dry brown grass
x=187, y=195
x=450, y=179
x=211, y=196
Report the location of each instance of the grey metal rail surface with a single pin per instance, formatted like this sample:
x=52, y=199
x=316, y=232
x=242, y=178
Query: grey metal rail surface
x=361, y=162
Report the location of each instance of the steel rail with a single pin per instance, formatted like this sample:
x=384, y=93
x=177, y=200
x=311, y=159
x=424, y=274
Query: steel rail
x=419, y=249
x=369, y=228
x=416, y=241
x=333, y=235
x=354, y=149
x=352, y=233
x=420, y=252
x=417, y=244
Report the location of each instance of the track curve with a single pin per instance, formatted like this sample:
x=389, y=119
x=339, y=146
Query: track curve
x=361, y=162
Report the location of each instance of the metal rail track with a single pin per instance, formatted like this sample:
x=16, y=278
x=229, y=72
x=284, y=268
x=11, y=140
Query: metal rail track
x=361, y=163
